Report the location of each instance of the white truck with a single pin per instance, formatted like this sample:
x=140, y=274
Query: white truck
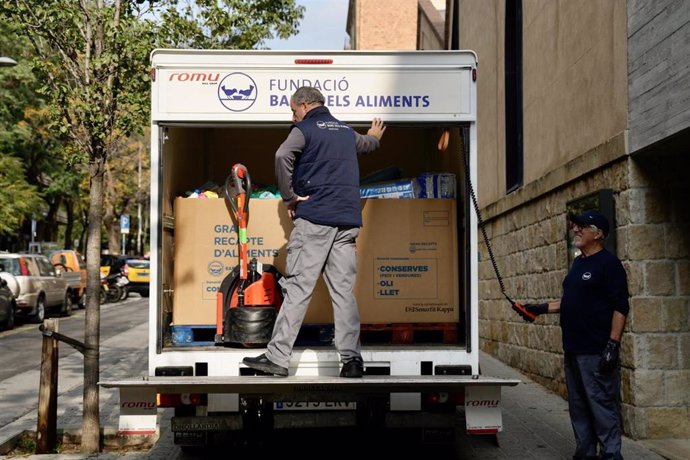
x=417, y=278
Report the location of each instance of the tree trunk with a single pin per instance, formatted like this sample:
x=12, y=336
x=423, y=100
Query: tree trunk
x=69, y=208
x=91, y=418
x=84, y=231
x=50, y=221
x=114, y=245
x=111, y=229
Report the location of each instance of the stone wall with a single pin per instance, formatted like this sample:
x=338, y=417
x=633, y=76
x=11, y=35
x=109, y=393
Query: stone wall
x=653, y=242
x=656, y=246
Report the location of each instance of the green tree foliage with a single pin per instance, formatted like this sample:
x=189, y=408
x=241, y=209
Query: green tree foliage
x=47, y=164
x=226, y=24
x=17, y=197
x=17, y=92
x=91, y=57
x=127, y=188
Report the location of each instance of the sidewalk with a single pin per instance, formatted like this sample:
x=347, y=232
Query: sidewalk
x=535, y=426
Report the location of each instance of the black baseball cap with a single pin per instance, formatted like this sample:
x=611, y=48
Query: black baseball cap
x=591, y=217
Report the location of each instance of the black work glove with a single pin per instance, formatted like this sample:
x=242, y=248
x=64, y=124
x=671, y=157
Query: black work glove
x=609, y=357
x=535, y=309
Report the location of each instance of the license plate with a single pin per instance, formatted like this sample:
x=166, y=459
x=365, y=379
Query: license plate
x=184, y=438
x=206, y=423
x=314, y=405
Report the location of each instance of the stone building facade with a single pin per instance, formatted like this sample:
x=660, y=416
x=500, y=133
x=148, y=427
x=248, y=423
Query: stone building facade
x=604, y=106
x=596, y=95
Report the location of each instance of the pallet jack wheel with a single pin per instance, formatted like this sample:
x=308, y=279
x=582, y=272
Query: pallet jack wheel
x=249, y=326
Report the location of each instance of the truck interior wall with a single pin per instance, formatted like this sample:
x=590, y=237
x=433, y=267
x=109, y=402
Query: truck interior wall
x=192, y=156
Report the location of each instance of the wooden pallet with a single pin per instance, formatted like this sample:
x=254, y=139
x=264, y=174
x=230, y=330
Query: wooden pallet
x=407, y=333
x=323, y=334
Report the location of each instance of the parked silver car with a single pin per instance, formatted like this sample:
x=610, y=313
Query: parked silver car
x=39, y=286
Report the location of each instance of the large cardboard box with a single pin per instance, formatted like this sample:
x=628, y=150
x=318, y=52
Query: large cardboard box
x=407, y=261
x=206, y=251
x=407, y=258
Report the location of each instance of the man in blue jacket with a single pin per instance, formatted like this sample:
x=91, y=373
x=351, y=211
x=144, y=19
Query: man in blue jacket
x=318, y=176
x=593, y=309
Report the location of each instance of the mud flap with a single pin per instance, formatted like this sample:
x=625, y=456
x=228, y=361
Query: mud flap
x=138, y=412
x=483, y=409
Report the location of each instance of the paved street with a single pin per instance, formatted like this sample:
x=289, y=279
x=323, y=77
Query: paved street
x=123, y=350
x=536, y=423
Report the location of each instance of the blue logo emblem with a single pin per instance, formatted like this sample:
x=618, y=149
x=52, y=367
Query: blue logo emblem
x=237, y=92
x=215, y=268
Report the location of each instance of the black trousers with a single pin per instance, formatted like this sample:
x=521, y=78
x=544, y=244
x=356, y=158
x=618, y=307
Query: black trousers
x=594, y=401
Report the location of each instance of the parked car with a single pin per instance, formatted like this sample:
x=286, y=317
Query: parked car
x=134, y=269
x=111, y=264
x=7, y=304
x=137, y=272
x=40, y=287
x=71, y=265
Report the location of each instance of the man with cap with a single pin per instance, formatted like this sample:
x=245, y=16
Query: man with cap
x=593, y=310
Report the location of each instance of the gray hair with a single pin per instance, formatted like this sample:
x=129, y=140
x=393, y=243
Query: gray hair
x=308, y=95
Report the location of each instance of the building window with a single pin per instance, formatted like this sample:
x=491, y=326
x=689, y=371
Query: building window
x=513, y=93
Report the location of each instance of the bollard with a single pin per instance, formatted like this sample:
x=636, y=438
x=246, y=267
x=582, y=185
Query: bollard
x=46, y=431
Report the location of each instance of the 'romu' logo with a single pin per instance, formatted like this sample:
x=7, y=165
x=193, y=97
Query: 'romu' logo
x=237, y=92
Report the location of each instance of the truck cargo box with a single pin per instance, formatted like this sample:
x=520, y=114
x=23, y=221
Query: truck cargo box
x=417, y=250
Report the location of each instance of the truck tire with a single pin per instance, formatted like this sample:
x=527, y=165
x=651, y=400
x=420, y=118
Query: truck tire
x=9, y=322
x=66, y=309
x=40, y=314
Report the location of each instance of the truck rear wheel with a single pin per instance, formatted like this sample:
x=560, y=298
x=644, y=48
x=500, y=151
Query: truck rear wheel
x=9, y=322
x=40, y=314
x=67, y=305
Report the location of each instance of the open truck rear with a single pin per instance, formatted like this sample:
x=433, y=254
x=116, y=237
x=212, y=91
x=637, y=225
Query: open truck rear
x=417, y=251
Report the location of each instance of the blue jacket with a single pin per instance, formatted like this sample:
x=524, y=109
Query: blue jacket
x=327, y=171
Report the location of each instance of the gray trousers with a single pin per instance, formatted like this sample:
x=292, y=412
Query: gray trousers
x=312, y=250
x=594, y=402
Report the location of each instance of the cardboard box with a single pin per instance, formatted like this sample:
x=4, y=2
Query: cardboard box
x=407, y=259
x=437, y=185
x=407, y=262
x=404, y=188
x=206, y=251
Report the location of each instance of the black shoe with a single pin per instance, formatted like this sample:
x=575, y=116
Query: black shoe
x=261, y=363
x=354, y=368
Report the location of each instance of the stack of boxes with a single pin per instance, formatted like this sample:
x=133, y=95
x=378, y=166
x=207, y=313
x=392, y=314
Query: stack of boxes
x=426, y=185
x=407, y=253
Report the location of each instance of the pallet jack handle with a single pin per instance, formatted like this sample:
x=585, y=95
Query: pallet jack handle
x=238, y=189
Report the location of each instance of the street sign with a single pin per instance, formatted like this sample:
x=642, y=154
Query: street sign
x=124, y=223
